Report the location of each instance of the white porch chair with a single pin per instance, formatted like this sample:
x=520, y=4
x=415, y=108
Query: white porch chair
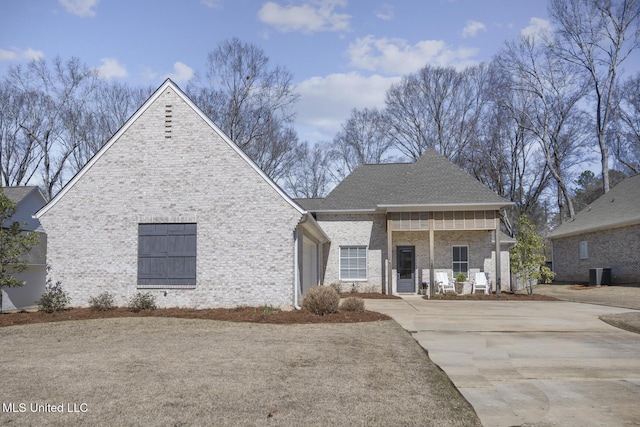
x=444, y=284
x=481, y=283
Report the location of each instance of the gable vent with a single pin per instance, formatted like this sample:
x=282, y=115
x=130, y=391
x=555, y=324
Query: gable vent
x=168, y=113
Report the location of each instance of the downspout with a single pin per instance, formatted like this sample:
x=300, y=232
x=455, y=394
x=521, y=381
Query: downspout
x=296, y=266
x=296, y=273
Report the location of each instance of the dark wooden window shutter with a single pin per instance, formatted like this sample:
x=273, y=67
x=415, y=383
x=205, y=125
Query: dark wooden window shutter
x=167, y=254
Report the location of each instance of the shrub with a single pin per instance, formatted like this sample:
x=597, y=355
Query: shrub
x=53, y=298
x=353, y=304
x=337, y=286
x=268, y=310
x=102, y=302
x=142, y=301
x=321, y=300
x=461, y=277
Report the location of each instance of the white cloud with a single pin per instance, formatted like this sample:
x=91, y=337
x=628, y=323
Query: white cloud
x=111, y=68
x=31, y=54
x=396, y=56
x=536, y=27
x=472, y=28
x=148, y=74
x=7, y=55
x=213, y=4
x=19, y=55
x=386, y=12
x=181, y=73
x=326, y=102
x=313, y=16
x=82, y=8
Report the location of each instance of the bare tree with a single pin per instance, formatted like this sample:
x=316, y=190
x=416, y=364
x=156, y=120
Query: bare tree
x=408, y=124
x=309, y=178
x=436, y=107
x=251, y=101
x=597, y=36
x=55, y=99
x=551, y=114
x=19, y=153
x=625, y=142
x=363, y=139
x=504, y=155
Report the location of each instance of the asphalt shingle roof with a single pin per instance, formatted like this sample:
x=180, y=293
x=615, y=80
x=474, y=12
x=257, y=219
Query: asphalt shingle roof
x=432, y=180
x=620, y=206
x=16, y=194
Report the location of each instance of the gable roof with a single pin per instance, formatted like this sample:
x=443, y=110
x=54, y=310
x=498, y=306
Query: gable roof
x=28, y=200
x=18, y=194
x=433, y=182
x=619, y=207
x=168, y=83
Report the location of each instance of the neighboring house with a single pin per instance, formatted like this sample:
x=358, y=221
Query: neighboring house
x=392, y=226
x=171, y=206
x=606, y=234
x=28, y=200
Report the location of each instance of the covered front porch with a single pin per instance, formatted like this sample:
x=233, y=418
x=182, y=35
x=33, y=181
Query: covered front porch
x=423, y=243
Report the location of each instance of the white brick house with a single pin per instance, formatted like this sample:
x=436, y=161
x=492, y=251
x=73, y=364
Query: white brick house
x=171, y=206
x=393, y=226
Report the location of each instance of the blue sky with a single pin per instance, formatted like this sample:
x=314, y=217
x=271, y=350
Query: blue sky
x=343, y=54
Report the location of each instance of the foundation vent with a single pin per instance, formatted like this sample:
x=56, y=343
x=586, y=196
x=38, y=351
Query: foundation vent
x=168, y=114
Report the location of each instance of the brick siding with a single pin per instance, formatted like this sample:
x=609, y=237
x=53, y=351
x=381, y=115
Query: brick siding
x=617, y=248
x=184, y=173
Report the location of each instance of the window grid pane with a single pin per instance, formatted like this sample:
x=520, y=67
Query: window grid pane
x=353, y=263
x=460, y=259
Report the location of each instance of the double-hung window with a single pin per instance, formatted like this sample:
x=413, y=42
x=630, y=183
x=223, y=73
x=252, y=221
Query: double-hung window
x=461, y=260
x=353, y=263
x=167, y=255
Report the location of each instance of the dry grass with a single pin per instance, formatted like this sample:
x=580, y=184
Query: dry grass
x=169, y=371
x=628, y=321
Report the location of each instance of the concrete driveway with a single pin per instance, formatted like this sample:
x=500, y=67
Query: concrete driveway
x=533, y=363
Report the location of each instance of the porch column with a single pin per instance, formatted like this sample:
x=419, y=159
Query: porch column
x=431, y=254
x=389, y=256
x=498, y=269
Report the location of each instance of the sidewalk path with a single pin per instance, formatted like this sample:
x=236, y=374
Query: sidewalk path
x=534, y=363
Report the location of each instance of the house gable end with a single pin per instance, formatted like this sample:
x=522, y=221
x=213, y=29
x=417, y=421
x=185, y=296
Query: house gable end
x=167, y=85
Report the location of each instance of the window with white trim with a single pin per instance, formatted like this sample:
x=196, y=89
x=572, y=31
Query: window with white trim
x=353, y=263
x=460, y=260
x=584, y=250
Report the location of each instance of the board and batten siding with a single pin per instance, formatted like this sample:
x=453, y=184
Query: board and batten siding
x=178, y=171
x=167, y=255
x=448, y=220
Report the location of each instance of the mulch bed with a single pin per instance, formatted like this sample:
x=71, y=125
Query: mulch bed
x=367, y=295
x=578, y=287
x=503, y=296
x=240, y=314
x=248, y=314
